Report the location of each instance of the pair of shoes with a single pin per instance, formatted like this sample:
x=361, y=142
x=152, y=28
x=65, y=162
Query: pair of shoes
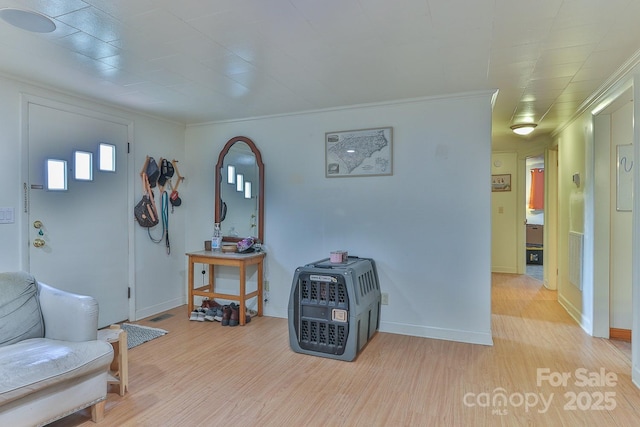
x=213, y=314
x=230, y=315
x=210, y=303
x=197, y=315
x=209, y=314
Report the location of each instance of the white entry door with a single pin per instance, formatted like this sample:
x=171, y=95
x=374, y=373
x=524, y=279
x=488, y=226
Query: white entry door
x=78, y=237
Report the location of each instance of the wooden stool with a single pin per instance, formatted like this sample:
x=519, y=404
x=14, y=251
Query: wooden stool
x=119, y=370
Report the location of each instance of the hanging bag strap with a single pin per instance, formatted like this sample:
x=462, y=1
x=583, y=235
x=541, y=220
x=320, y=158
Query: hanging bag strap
x=162, y=183
x=165, y=220
x=146, y=187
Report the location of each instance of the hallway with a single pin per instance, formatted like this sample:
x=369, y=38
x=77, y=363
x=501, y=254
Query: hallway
x=529, y=325
x=535, y=271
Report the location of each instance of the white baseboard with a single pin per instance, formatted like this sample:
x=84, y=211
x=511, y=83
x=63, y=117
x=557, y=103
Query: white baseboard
x=508, y=270
x=155, y=309
x=470, y=337
x=635, y=376
x=576, y=314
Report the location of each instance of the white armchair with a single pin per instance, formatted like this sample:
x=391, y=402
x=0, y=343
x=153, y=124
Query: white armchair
x=51, y=364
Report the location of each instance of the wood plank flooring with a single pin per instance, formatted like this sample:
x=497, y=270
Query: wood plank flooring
x=203, y=374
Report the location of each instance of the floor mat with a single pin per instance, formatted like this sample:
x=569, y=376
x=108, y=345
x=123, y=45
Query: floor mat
x=138, y=334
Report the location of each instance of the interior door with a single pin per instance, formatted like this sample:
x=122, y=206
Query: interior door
x=78, y=237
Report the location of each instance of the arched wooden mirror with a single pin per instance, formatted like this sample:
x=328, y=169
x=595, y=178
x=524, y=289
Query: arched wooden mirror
x=239, y=206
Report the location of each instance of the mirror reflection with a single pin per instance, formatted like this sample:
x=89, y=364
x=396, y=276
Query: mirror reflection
x=239, y=206
x=239, y=175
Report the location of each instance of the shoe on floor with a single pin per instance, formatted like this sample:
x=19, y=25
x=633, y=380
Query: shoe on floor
x=226, y=315
x=210, y=303
x=209, y=315
x=234, y=317
x=200, y=316
x=194, y=315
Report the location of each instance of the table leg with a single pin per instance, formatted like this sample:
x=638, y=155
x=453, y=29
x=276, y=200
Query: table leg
x=243, y=285
x=260, y=285
x=212, y=278
x=190, y=284
x=123, y=361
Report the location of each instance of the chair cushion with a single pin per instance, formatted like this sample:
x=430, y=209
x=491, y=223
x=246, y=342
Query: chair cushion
x=35, y=364
x=20, y=314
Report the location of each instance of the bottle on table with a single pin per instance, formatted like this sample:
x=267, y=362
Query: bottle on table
x=216, y=240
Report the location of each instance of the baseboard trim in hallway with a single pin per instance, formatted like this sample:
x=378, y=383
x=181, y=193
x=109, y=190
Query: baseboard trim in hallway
x=620, y=334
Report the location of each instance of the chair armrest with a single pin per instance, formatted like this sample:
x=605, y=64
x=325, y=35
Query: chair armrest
x=68, y=316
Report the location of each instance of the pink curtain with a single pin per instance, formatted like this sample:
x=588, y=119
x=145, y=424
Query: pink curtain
x=536, y=193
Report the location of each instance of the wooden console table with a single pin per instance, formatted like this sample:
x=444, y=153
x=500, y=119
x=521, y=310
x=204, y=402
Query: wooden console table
x=229, y=259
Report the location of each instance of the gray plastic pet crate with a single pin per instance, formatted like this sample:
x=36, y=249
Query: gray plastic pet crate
x=334, y=308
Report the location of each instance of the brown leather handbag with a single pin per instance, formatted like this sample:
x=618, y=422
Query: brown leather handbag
x=145, y=211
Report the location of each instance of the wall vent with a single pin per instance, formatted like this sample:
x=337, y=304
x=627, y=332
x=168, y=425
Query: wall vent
x=576, y=247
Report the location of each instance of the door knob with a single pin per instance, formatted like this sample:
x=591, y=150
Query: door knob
x=38, y=243
x=38, y=226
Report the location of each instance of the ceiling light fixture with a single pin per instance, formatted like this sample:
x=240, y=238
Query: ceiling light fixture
x=523, y=128
x=27, y=20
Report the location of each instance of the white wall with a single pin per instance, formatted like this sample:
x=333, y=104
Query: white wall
x=587, y=147
x=10, y=187
x=621, y=225
x=158, y=279
x=504, y=215
x=573, y=144
x=428, y=226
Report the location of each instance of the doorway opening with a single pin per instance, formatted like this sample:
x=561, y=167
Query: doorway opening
x=534, y=199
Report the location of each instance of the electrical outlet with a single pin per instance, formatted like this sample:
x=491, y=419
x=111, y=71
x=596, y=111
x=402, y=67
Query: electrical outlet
x=384, y=300
x=266, y=285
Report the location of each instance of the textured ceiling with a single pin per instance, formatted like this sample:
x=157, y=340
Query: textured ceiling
x=206, y=60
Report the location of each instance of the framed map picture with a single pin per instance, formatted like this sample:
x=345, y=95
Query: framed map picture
x=362, y=152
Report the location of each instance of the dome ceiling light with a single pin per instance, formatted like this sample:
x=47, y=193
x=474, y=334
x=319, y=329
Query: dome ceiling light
x=523, y=128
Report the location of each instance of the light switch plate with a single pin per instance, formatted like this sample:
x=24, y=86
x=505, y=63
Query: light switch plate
x=7, y=215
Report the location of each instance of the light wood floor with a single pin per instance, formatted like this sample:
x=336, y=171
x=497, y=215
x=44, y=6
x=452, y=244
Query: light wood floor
x=203, y=374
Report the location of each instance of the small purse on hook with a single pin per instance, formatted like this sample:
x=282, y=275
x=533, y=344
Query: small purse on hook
x=145, y=211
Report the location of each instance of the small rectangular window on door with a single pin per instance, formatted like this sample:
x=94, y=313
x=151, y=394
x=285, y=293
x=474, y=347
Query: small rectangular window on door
x=107, y=157
x=56, y=173
x=83, y=166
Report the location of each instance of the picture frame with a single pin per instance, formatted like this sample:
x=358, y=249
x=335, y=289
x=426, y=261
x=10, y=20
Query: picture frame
x=500, y=183
x=360, y=152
